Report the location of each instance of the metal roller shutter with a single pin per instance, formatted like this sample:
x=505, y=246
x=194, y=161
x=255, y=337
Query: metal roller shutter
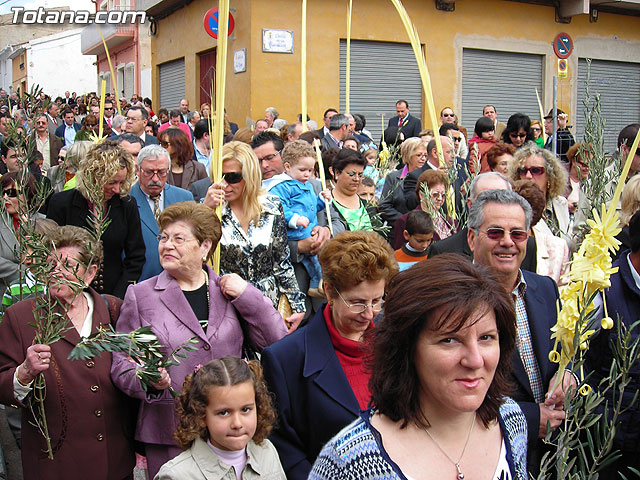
x=507, y=80
x=171, y=84
x=618, y=84
x=381, y=74
x=129, y=80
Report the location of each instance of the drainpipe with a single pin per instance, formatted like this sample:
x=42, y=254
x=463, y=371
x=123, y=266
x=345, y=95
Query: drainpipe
x=136, y=46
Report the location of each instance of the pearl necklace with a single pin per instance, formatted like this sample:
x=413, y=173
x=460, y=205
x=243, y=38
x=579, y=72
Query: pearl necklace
x=460, y=475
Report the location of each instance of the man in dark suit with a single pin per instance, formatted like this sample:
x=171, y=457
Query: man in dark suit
x=457, y=243
x=67, y=130
x=52, y=117
x=328, y=113
x=153, y=195
x=408, y=125
x=499, y=222
x=338, y=131
x=137, y=118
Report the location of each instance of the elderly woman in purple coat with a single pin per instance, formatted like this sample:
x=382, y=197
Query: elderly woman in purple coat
x=188, y=300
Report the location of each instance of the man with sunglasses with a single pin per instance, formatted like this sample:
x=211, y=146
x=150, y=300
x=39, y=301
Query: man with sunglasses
x=499, y=223
x=457, y=243
x=109, y=112
x=153, y=194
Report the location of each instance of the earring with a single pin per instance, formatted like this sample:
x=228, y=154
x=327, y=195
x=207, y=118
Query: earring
x=204, y=259
x=331, y=303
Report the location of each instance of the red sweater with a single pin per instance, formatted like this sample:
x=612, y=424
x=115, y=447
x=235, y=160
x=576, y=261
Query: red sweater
x=351, y=357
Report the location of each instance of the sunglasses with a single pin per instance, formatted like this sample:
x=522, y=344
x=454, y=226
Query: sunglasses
x=232, y=177
x=497, y=233
x=518, y=135
x=535, y=171
x=10, y=192
x=91, y=124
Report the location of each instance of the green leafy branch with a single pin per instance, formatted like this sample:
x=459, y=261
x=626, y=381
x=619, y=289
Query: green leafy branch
x=143, y=348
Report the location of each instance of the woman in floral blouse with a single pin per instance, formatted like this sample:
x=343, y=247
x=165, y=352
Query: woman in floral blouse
x=254, y=233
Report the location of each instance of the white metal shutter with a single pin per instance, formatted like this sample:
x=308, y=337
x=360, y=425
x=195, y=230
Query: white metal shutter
x=171, y=84
x=381, y=74
x=129, y=80
x=618, y=84
x=120, y=78
x=507, y=80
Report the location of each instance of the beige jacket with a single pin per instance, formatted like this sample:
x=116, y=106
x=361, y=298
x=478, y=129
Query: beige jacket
x=201, y=463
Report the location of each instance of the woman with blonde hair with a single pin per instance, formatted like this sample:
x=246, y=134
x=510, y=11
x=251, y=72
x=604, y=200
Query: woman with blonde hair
x=254, y=232
x=545, y=170
x=104, y=181
x=392, y=203
x=629, y=204
x=63, y=177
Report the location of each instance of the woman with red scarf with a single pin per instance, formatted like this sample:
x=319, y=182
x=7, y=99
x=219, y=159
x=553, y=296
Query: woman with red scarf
x=318, y=373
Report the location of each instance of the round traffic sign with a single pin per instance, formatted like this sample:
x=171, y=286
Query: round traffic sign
x=563, y=45
x=211, y=22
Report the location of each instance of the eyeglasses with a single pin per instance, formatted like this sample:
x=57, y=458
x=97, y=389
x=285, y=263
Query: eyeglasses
x=164, y=144
x=60, y=157
x=232, y=177
x=535, y=171
x=10, y=192
x=90, y=124
x=449, y=115
x=456, y=139
x=376, y=305
x=150, y=173
x=355, y=174
x=176, y=240
x=108, y=108
x=269, y=158
x=518, y=135
x=131, y=119
x=497, y=233
x=536, y=129
x=421, y=155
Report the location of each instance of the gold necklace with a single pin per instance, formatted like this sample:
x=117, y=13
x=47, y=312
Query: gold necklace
x=460, y=475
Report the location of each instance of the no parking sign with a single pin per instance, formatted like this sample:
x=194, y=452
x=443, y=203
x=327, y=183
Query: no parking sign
x=211, y=22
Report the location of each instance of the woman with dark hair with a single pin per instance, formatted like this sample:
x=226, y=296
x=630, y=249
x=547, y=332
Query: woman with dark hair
x=480, y=144
x=518, y=130
x=89, y=127
x=184, y=169
x=17, y=197
x=439, y=378
x=151, y=128
x=348, y=211
x=318, y=374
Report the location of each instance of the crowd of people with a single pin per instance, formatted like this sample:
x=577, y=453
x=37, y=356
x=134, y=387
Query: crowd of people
x=394, y=322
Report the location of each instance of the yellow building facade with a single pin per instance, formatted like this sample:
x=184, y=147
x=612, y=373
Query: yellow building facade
x=273, y=79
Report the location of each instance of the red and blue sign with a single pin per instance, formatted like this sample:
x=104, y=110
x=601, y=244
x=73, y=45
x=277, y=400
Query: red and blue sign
x=211, y=22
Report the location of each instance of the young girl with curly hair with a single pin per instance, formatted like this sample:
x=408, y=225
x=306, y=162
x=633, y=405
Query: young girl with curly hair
x=224, y=417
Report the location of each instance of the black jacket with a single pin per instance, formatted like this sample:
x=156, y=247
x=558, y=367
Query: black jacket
x=124, y=250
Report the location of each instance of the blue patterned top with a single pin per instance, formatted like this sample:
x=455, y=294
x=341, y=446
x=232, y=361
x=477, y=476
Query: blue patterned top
x=357, y=453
